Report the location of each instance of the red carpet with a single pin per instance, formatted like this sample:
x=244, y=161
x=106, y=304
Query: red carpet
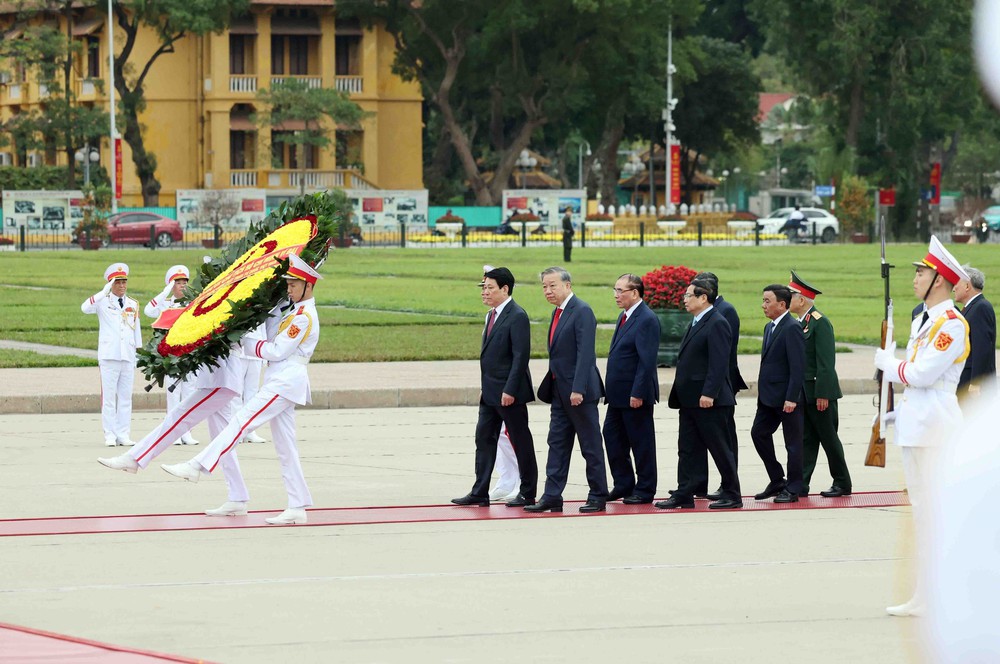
x=21, y=645
x=350, y=516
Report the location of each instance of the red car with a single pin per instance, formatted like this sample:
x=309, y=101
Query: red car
x=133, y=228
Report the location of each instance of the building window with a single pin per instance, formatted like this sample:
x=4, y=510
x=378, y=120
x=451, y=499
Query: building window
x=285, y=155
x=350, y=150
x=237, y=55
x=241, y=150
x=298, y=56
x=277, y=54
x=93, y=57
x=348, y=55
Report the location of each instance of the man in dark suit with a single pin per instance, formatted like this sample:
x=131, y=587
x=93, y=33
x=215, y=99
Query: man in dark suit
x=703, y=394
x=779, y=396
x=980, y=372
x=567, y=235
x=632, y=388
x=822, y=390
x=573, y=386
x=728, y=311
x=506, y=390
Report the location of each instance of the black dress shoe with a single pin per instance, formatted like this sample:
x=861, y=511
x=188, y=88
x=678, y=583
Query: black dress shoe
x=617, y=494
x=786, y=496
x=726, y=504
x=545, y=505
x=593, y=506
x=520, y=501
x=772, y=489
x=469, y=499
x=673, y=503
x=636, y=500
x=835, y=492
x=715, y=495
x=697, y=494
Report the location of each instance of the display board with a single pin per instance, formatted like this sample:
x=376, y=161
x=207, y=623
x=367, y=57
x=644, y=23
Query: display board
x=384, y=209
x=233, y=209
x=548, y=204
x=42, y=210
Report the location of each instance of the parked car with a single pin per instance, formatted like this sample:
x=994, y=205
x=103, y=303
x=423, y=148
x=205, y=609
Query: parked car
x=134, y=228
x=827, y=226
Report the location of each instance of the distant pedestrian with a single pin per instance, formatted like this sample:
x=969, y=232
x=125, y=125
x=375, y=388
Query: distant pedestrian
x=567, y=234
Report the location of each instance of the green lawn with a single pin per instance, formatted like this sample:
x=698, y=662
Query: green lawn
x=405, y=304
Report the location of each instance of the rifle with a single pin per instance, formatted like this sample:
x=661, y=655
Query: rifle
x=876, y=444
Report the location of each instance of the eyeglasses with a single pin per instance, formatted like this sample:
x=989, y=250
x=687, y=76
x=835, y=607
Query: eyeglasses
x=619, y=291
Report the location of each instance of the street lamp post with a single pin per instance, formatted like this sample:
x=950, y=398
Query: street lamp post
x=111, y=102
x=579, y=155
x=632, y=168
x=86, y=155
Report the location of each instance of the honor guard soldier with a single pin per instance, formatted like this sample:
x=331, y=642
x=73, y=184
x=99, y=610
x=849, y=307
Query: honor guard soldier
x=822, y=390
x=287, y=351
x=118, y=339
x=176, y=280
x=928, y=410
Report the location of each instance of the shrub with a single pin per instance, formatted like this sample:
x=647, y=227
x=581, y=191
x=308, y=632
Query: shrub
x=665, y=287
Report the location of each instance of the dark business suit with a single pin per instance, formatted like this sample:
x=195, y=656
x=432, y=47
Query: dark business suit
x=567, y=237
x=573, y=368
x=782, y=367
x=821, y=382
x=727, y=311
x=980, y=371
x=703, y=370
x=503, y=366
x=632, y=373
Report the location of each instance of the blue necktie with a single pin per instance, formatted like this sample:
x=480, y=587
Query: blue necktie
x=767, y=334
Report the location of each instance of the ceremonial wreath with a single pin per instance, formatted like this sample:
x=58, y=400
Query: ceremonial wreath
x=235, y=293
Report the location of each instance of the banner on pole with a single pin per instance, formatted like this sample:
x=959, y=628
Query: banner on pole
x=675, y=174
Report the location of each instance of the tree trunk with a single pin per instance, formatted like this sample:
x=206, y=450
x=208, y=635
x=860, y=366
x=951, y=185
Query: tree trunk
x=855, y=114
x=611, y=138
x=145, y=162
x=508, y=159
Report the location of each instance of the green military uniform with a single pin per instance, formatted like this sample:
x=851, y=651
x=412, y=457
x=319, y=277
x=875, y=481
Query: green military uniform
x=821, y=383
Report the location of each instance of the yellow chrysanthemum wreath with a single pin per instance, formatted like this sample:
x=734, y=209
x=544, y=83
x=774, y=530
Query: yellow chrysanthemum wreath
x=214, y=306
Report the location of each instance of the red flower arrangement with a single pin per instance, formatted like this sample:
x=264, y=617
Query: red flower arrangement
x=524, y=216
x=599, y=216
x=666, y=286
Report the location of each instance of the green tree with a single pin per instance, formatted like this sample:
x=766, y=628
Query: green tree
x=170, y=21
x=316, y=110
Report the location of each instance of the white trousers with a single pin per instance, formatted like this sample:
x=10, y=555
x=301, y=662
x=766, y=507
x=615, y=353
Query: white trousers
x=211, y=404
x=117, y=377
x=265, y=406
x=183, y=390
x=509, y=479
x=918, y=465
x=251, y=378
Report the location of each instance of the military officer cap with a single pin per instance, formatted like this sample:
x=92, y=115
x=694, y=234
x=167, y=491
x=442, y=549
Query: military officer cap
x=176, y=272
x=301, y=270
x=116, y=271
x=797, y=285
x=499, y=274
x=486, y=270
x=940, y=259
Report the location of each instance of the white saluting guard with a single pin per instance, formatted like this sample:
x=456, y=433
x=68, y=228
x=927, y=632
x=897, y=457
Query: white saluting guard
x=928, y=410
x=119, y=336
x=176, y=279
x=286, y=384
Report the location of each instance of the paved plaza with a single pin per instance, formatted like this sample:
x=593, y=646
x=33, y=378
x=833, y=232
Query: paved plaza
x=749, y=586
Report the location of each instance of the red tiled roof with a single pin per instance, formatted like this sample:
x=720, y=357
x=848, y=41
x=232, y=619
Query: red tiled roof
x=768, y=100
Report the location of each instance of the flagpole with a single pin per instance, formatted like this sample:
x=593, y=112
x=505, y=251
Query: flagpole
x=111, y=99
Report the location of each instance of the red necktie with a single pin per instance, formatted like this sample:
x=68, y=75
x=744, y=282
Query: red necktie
x=489, y=325
x=621, y=323
x=555, y=322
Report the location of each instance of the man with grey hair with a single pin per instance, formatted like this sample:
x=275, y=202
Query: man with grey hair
x=573, y=386
x=980, y=372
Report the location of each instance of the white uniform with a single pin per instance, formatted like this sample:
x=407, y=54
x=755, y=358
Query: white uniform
x=928, y=410
x=153, y=309
x=213, y=390
x=118, y=339
x=252, y=373
x=286, y=383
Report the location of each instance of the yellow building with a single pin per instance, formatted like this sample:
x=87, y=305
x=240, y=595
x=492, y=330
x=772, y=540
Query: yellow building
x=200, y=99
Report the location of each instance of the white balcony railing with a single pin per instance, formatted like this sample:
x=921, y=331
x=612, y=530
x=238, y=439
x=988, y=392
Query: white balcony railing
x=87, y=88
x=243, y=178
x=243, y=84
x=289, y=179
x=316, y=179
x=311, y=81
x=350, y=84
x=43, y=91
x=14, y=91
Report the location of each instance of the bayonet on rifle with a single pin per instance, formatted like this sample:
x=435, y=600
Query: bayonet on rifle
x=876, y=444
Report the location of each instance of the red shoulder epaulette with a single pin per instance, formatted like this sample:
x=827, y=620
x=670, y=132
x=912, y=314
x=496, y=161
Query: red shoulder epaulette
x=301, y=309
x=951, y=314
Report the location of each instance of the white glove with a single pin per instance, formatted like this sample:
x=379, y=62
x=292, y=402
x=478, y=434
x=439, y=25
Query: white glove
x=166, y=291
x=890, y=417
x=885, y=358
x=103, y=292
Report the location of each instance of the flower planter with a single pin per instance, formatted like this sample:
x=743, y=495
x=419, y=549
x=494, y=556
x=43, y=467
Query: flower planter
x=673, y=324
x=960, y=238
x=212, y=243
x=859, y=238
x=90, y=245
x=343, y=243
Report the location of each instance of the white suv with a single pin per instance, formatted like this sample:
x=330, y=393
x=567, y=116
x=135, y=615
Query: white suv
x=827, y=226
